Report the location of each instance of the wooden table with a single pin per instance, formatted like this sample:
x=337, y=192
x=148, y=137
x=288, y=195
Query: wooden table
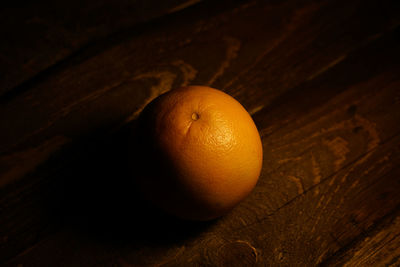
x=320, y=78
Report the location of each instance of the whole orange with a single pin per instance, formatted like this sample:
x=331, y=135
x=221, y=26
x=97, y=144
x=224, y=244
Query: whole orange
x=203, y=152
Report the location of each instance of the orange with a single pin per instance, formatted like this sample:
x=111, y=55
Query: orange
x=204, y=153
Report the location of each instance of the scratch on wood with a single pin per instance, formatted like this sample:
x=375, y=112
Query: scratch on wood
x=322, y=256
x=283, y=161
x=266, y=131
x=256, y=109
x=242, y=221
x=335, y=127
x=298, y=182
x=313, y=228
x=354, y=184
x=373, y=166
x=320, y=201
x=183, y=6
x=328, y=200
x=327, y=67
x=23, y=162
x=316, y=172
x=339, y=148
x=233, y=46
x=244, y=6
x=336, y=189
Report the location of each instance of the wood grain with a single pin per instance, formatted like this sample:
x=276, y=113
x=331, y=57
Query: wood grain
x=39, y=36
x=321, y=80
x=378, y=248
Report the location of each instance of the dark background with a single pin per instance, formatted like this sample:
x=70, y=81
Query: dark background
x=321, y=80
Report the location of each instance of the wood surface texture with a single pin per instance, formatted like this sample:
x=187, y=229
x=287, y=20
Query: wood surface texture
x=321, y=80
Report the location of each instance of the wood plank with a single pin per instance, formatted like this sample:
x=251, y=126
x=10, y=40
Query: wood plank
x=38, y=36
x=379, y=248
x=52, y=114
x=330, y=212
x=329, y=216
x=307, y=230
x=49, y=116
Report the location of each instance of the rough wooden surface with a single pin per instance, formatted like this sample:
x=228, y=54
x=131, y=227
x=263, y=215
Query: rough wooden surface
x=38, y=36
x=320, y=78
